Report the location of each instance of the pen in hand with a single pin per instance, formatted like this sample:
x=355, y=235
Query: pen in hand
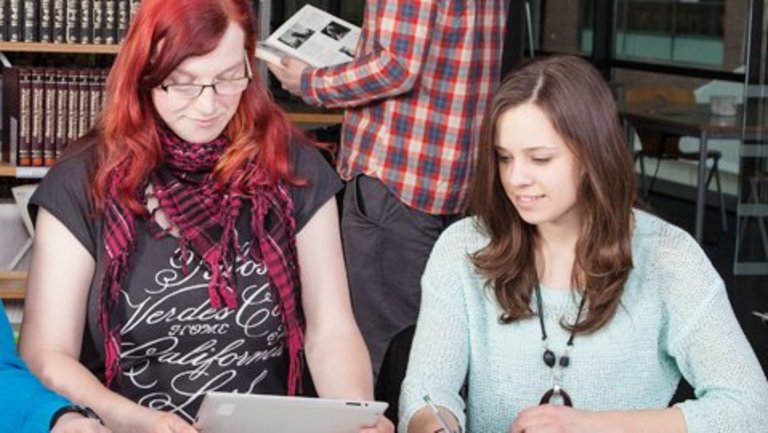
x=440, y=418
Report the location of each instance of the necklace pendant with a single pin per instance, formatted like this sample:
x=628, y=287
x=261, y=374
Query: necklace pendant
x=559, y=394
x=549, y=358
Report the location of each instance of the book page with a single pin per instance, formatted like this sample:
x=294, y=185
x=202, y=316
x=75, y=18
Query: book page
x=316, y=37
x=269, y=54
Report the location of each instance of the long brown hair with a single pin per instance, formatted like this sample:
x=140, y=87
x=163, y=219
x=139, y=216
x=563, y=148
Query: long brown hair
x=165, y=33
x=580, y=106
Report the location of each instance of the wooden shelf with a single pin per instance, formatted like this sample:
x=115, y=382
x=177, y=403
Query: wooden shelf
x=46, y=47
x=324, y=118
x=12, y=284
x=302, y=113
x=23, y=172
x=7, y=171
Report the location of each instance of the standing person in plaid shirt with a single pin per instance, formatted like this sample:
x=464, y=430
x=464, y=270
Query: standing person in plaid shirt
x=414, y=97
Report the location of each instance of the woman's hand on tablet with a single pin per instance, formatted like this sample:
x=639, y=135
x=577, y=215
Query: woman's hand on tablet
x=166, y=422
x=383, y=426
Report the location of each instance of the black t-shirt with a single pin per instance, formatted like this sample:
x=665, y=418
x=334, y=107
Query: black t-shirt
x=175, y=346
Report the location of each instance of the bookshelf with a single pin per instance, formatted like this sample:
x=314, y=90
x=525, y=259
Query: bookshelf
x=12, y=285
x=22, y=172
x=298, y=115
x=304, y=115
x=63, y=48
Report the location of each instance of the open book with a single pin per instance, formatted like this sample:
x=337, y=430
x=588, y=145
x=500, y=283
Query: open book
x=314, y=36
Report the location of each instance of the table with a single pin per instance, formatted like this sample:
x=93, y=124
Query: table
x=693, y=120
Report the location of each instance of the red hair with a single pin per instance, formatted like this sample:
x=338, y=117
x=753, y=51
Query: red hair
x=163, y=34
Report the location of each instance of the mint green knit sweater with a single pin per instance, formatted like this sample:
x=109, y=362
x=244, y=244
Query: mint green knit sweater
x=674, y=321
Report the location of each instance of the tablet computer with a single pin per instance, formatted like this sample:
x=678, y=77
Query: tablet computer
x=255, y=413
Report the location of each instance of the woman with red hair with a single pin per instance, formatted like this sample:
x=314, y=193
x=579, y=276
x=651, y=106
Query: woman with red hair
x=190, y=242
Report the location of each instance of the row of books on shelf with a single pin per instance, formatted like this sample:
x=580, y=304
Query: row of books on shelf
x=65, y=21
x=45, y=109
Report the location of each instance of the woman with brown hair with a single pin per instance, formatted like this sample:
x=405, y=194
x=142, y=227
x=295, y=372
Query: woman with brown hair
x=191, y=242
x=564, y=307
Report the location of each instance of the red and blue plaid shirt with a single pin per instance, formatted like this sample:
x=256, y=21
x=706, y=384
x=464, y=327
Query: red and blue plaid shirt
x=415, y=96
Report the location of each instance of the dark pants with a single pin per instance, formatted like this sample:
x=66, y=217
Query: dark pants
x=386, y=246
x=392, y=372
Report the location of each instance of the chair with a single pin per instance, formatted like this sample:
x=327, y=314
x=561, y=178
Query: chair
x=758, y=194
x=663, y=146
x=21, y=195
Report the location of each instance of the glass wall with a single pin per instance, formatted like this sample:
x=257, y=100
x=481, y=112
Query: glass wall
x=676, y=31
x=696, y=33
x=752, y=211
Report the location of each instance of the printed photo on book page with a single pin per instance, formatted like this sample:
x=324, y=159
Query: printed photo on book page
x=314, y=36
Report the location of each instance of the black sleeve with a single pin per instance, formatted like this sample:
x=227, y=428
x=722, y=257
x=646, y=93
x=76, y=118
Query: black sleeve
x=321, y=182
x=64, y=192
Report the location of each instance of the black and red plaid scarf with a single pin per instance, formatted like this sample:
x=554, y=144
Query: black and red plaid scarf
x=205, y=213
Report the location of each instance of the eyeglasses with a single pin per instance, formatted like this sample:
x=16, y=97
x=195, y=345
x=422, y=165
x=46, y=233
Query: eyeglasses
x=221, y=88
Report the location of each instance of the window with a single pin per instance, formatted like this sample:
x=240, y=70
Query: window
x=682, y=32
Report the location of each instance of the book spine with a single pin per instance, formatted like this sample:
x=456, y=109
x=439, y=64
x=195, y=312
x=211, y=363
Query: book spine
x=134, y=8
x=14, y=20
x=25, y=116
x=38, y=117
x=103, y=87
x=95, y=95
x=3, y=21
x=110, y=22
x=85, y=18
x=83, y=112
x=97, y=24
x=72, y=29
x=49, y=124
x=73, y=99
x=30, y=21
x=11, y=115
x=46, y=21
x=62, y=101
x=123, y=18
x=59, y=11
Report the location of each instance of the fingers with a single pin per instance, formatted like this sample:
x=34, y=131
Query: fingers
x=384, y=425
x=178, y=425
x=282, y=74
x=81, y=425
x=276, y=69
x=293, y=63
x=171, y=423
x=532, y=418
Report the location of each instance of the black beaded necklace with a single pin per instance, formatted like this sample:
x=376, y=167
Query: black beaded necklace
x=549, y=357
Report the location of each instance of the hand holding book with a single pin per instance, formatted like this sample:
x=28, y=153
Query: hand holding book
x=289, y=70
